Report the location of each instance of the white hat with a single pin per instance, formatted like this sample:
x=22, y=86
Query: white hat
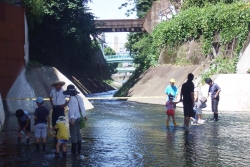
x=57, y=82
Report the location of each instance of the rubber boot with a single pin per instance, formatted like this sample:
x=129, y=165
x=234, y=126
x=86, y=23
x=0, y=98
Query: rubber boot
x=37, y=147
x=216, y=117
x=64, y=154
x=167, y=123
x=175, y=124
x=18, y=140
x=28, y=141
x=44, y=146
x=55, y=141
x=73, y=148
x=79, y=147
x=56, y=155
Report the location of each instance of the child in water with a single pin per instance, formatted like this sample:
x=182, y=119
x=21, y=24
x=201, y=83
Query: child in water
x=170, y=110
x=23, y=120
x=62, y=136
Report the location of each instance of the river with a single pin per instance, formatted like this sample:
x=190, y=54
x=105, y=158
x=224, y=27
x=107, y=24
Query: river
x=122, y=133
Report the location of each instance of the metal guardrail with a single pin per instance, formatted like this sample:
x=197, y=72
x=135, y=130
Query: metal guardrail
x=118, y=56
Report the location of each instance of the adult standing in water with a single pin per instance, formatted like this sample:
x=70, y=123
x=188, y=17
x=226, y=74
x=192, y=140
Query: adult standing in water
x=199, y=100
x=187, y=96
x=76, y=105
x=57, y=99
x=172, y=89
x=214, y=90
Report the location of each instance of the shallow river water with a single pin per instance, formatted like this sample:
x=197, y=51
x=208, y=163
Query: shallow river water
x=121, y=133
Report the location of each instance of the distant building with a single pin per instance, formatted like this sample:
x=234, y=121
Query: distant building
x=116, y=45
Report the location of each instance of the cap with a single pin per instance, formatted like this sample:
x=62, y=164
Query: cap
x=61, y=118
x=171, y=97
x=39, y=100
x=172, y=80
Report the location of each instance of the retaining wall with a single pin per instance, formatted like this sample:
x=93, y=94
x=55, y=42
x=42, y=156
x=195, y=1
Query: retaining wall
x=12, y=40
x=34, y=82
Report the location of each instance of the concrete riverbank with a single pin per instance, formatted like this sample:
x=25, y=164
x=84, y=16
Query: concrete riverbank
x=235, y=94
x=35, y=82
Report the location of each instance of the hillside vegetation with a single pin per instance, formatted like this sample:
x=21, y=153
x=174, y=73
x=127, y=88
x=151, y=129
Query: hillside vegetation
x=221, y=25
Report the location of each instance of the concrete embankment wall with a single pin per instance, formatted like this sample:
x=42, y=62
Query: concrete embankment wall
x=34, y=82
x=154, y=81
x=235, y=94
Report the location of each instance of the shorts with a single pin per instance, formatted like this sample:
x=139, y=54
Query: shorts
x=198, y=110
x=22, y=124
x=62, y=141
x=41, y=130
x=170, y=112
x=188, y=110
x=215, y=103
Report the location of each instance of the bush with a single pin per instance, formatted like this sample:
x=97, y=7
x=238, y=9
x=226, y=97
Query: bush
x=221, y=65
x=231, y=21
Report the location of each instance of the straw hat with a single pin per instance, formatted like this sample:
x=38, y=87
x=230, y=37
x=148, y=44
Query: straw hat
x=58, y=82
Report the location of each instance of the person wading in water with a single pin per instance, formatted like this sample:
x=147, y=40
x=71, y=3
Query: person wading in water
x=57, y=99
x=187, y=96
x=214, y=90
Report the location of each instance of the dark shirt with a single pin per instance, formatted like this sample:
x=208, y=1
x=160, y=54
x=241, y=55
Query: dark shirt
x=41, y=113
x=213, y=89
x=186, y=90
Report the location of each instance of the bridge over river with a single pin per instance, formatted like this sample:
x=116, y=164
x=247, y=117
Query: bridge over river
x=119, y=58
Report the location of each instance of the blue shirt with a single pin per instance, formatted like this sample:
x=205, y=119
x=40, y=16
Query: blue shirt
x=173, y=90
x=25, y=117
x=213, y=89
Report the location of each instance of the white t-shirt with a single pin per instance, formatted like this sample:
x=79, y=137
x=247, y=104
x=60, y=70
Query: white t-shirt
x=58, y=97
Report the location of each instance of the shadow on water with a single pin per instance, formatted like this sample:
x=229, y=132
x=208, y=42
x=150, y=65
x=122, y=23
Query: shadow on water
x=121, y=133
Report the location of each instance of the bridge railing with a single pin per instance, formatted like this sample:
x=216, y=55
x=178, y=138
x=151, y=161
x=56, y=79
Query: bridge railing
x=118, y=56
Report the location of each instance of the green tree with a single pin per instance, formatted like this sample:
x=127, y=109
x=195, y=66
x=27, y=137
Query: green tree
x=59, y=32
x=139, y=44
x=139, y=6
x=111, y=66
x=109, y=51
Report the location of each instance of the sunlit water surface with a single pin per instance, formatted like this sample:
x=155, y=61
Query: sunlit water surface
x=121, y=133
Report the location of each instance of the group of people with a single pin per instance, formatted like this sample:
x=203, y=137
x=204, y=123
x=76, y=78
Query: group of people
x=193, y=101
x=42, y=119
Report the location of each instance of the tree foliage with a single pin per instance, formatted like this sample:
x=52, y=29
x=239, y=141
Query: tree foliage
x=111, y=66
x=139, y=6
x=109, y=51
x=59, y=32
x=139, y=44
x=202, y=3
x=230, y=21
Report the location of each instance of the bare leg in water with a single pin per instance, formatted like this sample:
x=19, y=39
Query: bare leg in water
x=186, y=121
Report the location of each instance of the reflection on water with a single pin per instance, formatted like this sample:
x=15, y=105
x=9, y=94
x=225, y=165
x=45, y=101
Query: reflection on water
x=121, y=133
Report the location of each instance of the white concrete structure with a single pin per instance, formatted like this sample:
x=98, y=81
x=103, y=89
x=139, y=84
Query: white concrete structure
x=23, y=89
x=62, y=77
x=244, y=61
x=235, y=92
x=2, y=114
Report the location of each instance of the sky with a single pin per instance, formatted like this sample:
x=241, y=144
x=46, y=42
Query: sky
x=108, y=9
